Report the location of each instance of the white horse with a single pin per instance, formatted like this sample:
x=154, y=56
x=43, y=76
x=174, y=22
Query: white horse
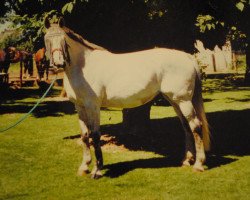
x=95, y=78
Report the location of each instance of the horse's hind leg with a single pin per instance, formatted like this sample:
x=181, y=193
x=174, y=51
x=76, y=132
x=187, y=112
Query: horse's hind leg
x=84, y=168
x=188, y=111
x=189, y=141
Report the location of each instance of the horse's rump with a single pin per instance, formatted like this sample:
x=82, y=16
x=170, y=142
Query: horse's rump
x=40, y=55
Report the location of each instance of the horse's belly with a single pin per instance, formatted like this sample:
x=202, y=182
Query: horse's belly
x=130, y=102
x=126, y=99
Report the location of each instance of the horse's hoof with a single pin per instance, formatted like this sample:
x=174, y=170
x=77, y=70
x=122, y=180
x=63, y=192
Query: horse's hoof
x=83, y=172
x=96, y=176
x=198, y=169
x=186, y=164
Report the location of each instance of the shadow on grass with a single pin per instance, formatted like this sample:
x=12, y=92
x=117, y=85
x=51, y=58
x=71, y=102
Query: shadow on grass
x=46, y=108
x=10, y=94
x=229, y=100
x=230, y=136
x=11, y=102
x=121, y=168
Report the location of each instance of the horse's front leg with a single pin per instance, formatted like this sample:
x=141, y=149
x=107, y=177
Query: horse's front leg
x=94, y=113
x=84, y=167
x=96, y=172
x=90, y=115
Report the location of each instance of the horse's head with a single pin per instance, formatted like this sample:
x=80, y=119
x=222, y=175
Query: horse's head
x=56, y=46
x=11, y=52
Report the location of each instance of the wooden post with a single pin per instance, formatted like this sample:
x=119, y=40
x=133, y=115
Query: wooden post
x=247, y=74
x=21, y=73
x=234, y=65
x=7, y=78
x=214, y=63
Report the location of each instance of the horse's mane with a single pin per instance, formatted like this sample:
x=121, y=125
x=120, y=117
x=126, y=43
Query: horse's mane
x=76, y=37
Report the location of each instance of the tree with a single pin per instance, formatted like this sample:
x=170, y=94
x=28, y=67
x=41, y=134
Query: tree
x=221, y=20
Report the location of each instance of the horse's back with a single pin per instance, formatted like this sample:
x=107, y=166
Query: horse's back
x=154, y=62
x=144, y=58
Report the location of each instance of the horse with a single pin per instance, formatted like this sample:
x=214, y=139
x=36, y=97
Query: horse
x=6, y=57
x=95, y=78
x=41, y=64
x=26, y=60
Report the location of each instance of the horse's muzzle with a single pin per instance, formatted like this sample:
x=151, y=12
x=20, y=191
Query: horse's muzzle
x=56, y=69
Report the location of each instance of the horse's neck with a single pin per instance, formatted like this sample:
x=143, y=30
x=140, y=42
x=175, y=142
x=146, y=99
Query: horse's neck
x=78, y=54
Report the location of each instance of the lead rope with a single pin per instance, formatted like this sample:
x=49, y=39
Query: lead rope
x=31, y=110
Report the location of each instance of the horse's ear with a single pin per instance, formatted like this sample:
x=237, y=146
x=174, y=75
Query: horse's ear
x=61, y=22
x=47, y=22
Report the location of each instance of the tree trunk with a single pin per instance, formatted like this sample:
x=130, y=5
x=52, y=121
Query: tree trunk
x=137, y=120
x=247, y=74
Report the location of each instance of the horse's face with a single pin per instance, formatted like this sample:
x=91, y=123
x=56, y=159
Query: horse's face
x=55, y=45
x=11, y=51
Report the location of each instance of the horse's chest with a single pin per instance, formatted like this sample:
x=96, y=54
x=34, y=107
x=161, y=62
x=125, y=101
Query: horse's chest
x=80, y=91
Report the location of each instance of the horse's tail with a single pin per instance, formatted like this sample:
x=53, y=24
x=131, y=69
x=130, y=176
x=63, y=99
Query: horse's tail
x=199, y=108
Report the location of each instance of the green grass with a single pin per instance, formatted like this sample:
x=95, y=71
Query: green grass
x=38, y=160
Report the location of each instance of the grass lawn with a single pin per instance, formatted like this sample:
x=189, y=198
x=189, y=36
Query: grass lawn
x=39, y=158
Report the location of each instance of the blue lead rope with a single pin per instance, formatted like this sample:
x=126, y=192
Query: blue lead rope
x=31, y=110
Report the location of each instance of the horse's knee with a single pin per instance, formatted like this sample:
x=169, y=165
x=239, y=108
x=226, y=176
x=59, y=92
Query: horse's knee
x=189, y=113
